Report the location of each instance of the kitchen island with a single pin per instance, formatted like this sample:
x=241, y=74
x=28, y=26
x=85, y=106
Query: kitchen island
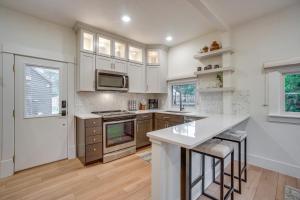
x=171, y=154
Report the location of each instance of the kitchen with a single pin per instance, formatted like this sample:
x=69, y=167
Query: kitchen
x=129, y=97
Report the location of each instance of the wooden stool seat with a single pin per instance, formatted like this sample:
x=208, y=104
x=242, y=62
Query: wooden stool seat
x=214, y=147
x=237, y=136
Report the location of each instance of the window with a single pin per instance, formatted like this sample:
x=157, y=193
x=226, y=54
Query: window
x=120, y=50
x=41, y=91
x=153, y=57
x=292, y=92
x=187, y=91
x=135, y=54
x=88, y=41
x=104, y=46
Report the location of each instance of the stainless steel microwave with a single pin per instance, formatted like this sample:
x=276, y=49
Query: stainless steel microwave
x=111, y=81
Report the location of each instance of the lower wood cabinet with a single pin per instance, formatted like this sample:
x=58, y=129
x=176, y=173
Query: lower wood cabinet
x=89, y=140
x=144, y=124
x=167, y=120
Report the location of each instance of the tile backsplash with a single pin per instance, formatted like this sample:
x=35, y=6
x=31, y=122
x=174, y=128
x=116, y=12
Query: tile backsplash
x=212, y=103
x=87, y=102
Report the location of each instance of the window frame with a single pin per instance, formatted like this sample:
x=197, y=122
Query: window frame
x=282, y=93
x=183, y=82
x=137, y=47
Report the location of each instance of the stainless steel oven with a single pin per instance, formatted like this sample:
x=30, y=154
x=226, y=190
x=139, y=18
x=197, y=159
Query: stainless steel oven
x=119, y=134
x=111, y=81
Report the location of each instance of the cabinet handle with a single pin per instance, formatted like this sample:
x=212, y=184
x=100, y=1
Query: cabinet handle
x=95, y=149
x=94, y=131
x=94, y=139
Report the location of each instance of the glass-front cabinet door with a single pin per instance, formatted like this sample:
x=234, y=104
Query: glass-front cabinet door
x=120, y=50
x=152, y=57
x=135, y=54
x=87, y=41
x=104, y=46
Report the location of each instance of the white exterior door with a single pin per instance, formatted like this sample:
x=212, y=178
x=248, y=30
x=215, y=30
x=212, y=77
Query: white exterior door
x=40, y=112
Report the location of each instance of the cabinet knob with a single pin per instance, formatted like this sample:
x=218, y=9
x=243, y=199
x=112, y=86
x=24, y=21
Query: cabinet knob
x=95, y=149
x=94, y=139
x=94, y=122
x=94, y=131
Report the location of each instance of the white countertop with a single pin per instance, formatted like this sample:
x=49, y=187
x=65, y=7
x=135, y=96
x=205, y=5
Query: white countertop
x=191, y=134
x=87, y=115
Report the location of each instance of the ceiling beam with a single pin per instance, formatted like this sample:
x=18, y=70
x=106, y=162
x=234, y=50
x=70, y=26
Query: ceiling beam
x=211, y=15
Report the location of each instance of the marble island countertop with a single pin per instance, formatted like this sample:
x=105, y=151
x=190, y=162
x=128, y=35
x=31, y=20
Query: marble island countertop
x=191, y=134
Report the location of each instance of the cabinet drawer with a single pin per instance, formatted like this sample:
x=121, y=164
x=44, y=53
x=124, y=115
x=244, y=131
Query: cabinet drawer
x=93, y=122
x=168, y=117
x=93, y=131
x=93, y=152
x=93, y=139
x=144, y=116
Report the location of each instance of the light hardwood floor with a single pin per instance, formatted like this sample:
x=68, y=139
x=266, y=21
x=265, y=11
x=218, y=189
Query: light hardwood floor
x=127, y=178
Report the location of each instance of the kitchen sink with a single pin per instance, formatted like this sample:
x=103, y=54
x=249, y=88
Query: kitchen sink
x=175, y=111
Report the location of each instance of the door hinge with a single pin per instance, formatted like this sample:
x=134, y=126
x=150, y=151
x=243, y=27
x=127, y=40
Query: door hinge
x=14, y=114
x=13, y=158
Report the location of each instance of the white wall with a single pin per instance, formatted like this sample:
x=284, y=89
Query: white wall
x=271, y=145
x=30, y=32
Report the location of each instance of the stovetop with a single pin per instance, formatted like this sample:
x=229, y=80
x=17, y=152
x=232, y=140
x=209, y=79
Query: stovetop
x=111, y=113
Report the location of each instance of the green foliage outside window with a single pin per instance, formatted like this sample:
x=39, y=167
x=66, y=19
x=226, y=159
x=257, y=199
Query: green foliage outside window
x=188, y=94
x=292, y=92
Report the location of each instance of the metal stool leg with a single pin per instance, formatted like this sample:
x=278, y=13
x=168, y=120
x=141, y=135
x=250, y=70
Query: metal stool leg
x=222, y=179
x=240, y=167
x=232, y=175
x=245, y=157
x=203, y=173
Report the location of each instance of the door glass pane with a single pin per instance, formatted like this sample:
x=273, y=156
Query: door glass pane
x=88, y=41
x=119, y=133
x=292, y=92
x=153, y=57
x=104, y=46
x=120, y=50
x=135, y=54
x=41, y=91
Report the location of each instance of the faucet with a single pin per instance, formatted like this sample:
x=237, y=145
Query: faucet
x=181, y=106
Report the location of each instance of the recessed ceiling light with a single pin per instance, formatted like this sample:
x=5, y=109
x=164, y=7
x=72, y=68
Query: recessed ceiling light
x=169, y=38
x=126, y=18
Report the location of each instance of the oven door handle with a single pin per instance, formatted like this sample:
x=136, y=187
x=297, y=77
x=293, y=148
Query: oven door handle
x=117, y=122
x=124, y=82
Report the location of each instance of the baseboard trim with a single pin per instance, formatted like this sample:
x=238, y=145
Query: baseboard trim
x=72, y=152
x=6, y=168
x=275, y=165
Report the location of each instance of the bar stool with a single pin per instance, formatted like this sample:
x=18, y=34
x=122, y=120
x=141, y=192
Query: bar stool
x=217, y=149
x=236, y=137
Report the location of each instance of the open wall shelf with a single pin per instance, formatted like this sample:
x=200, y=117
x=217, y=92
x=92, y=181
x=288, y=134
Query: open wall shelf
x=211, y=71
x=210, y=54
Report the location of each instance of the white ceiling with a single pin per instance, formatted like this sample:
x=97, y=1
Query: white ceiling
x=152, y=20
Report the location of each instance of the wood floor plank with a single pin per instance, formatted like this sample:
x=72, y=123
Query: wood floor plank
x=125, y=179
x=267, y=186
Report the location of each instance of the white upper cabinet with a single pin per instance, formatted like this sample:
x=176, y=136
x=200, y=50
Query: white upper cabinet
x=157, y=73
x=137, y=75
x=120, y=50
x=87, y=41
x=86, y=72
x=120, y=66
x=153, y=57
x=104, y=63
x=135, y=54
x=104, y=46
